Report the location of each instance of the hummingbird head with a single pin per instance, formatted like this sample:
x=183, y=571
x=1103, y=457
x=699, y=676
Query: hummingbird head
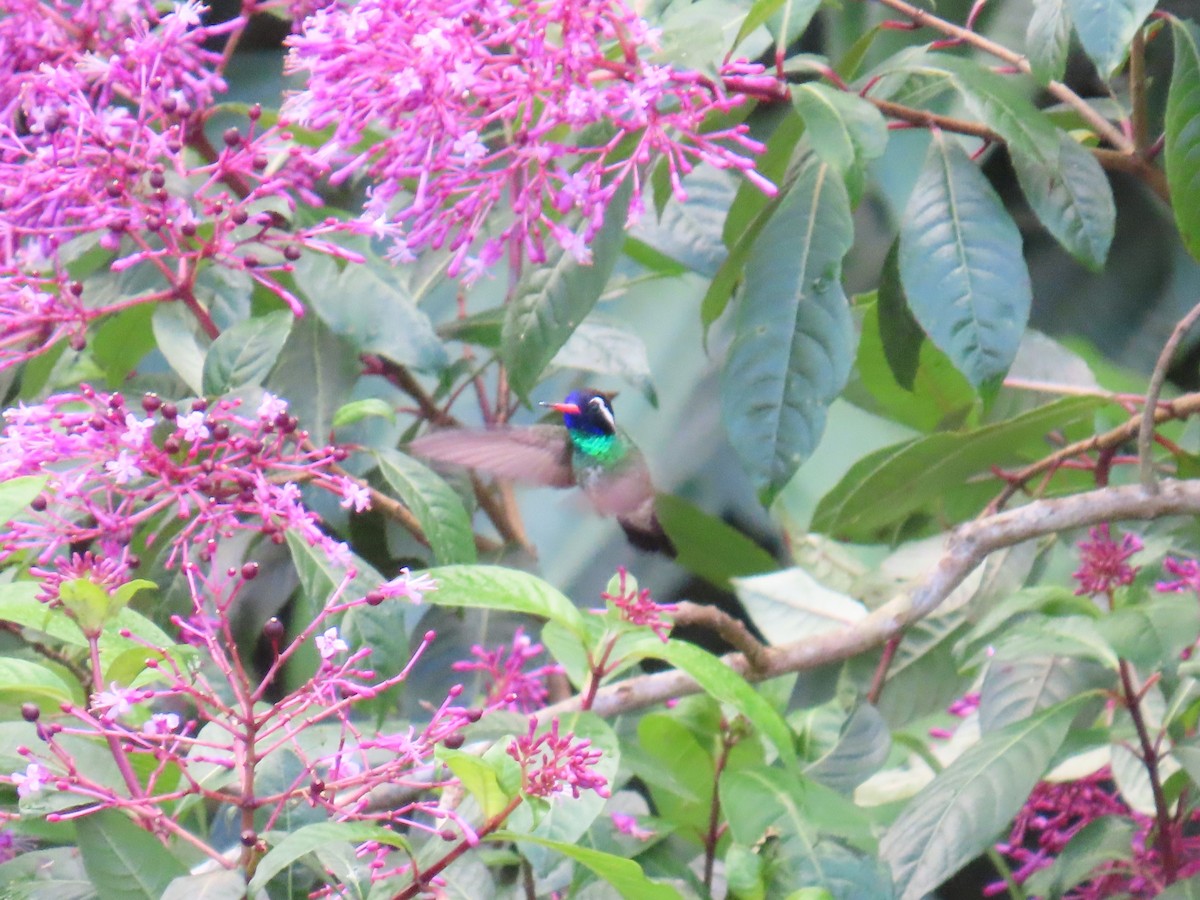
x=587, y=412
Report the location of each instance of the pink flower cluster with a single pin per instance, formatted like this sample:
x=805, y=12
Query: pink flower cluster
x=1056, y=811
x=508, y=684
x=638, y=608
x=102, y=114
x=1103, y=563
x=459, y=107
x=551, y=763
x=197, y=475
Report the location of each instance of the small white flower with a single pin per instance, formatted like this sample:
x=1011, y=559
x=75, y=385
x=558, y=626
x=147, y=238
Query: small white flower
x=271, y=407
x=330, y=645
x=33, y=780
x=192, y=425
x=123, y=469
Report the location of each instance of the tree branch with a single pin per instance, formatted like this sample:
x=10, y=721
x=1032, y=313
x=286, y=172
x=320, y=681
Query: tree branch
x=967, y=547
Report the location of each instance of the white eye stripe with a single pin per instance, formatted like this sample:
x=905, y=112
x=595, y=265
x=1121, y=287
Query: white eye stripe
x=601, y=405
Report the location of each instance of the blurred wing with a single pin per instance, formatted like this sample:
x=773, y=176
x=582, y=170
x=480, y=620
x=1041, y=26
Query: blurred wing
x=540, y=454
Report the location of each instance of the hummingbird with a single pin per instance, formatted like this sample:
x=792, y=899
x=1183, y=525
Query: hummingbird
x=588, y=451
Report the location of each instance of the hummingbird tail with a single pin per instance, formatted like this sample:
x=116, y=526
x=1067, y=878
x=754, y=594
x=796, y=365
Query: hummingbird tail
x=648, y=535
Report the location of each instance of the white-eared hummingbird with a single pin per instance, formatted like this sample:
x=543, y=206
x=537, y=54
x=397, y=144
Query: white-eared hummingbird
x=590, y=452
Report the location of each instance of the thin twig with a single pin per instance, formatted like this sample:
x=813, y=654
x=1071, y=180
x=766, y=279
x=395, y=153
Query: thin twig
x=1157, y=379
x=1163, y=841
x=922, y=18
x=1137, y=91
x=1179, y=408
x=881, y=670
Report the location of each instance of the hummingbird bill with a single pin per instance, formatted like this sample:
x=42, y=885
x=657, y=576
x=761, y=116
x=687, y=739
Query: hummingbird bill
x=587, y=451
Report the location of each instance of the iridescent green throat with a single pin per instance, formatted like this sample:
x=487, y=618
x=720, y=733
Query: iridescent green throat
x=607, y=448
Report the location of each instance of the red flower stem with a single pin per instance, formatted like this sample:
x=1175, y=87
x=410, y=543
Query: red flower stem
x=1163, y=838
x=423, y=878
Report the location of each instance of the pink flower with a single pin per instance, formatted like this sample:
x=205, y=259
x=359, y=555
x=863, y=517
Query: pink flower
x=551, y=763
x=507, y=684
x=115, y=702
x=1103, y=563
x=33, y=780
x=1188, y=573
x=546, y=109
x=629, y=825
x=330, y=644
x=413, y=588
x=637, y=607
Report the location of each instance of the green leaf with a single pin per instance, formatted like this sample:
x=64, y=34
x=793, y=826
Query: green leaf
x=92, y=606
x=1075, y=636
x=626, y=876
x=553, y=299
x=19, y=603
x=961, y=265
x=243, y=355
x=1182, y=890
x=609, y=350
x=316, y=371
x=1072, y=199
x=438, y=509
x=799, y=13
x=310, y=839
x=124, y=861
x=789, y=604
x=22, y=681
x=861, y=750
x=1048, y=39
x=844, y=129
x=793, y=338
x=958, y=814
x=179, y=341
x=938, y=396
x=722, y=683
x=764, y=807
x=1182, y=149
x=357, y=410
x=121, y=342
x=1106, y=27
x=707, y=546
x=750, y=212
x=1153, y=634
x=495, y=587
x=478, y=778
x=1016, y=689
x=884, y=488
x=1099, y=841
x=17, y=493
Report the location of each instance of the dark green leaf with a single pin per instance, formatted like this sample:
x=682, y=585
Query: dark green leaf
x=609, y=350
x=793, y=338
x=244, y=354
x=885, y=487
x=861, y=750
x=1099, y=841
x=689, y=232
x=1016, y=689
x=1072, y=199
x=554, y=298
x=1048, y=39
x=707, y=546
x=125, y=862
x=1183, y=134
x=763, y=808
x=844, y=130
x=800, y=12
x=1105, y=28
x=481, y=328
x=438, y=509
x=961, y=265
x=315, y=372
x=375, y=314
x=958, y=815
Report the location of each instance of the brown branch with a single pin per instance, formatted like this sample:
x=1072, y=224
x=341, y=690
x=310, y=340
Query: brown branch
x=1179, y=408
x=1116, y=161
x=926, y=119
x=967, y=547
x=921, y=18
x=1157, y=378
x=1137, y=92
x=1163, y=841
x=733, y=631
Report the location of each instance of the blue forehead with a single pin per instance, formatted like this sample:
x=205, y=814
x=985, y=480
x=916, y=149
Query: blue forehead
x=584, y=420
